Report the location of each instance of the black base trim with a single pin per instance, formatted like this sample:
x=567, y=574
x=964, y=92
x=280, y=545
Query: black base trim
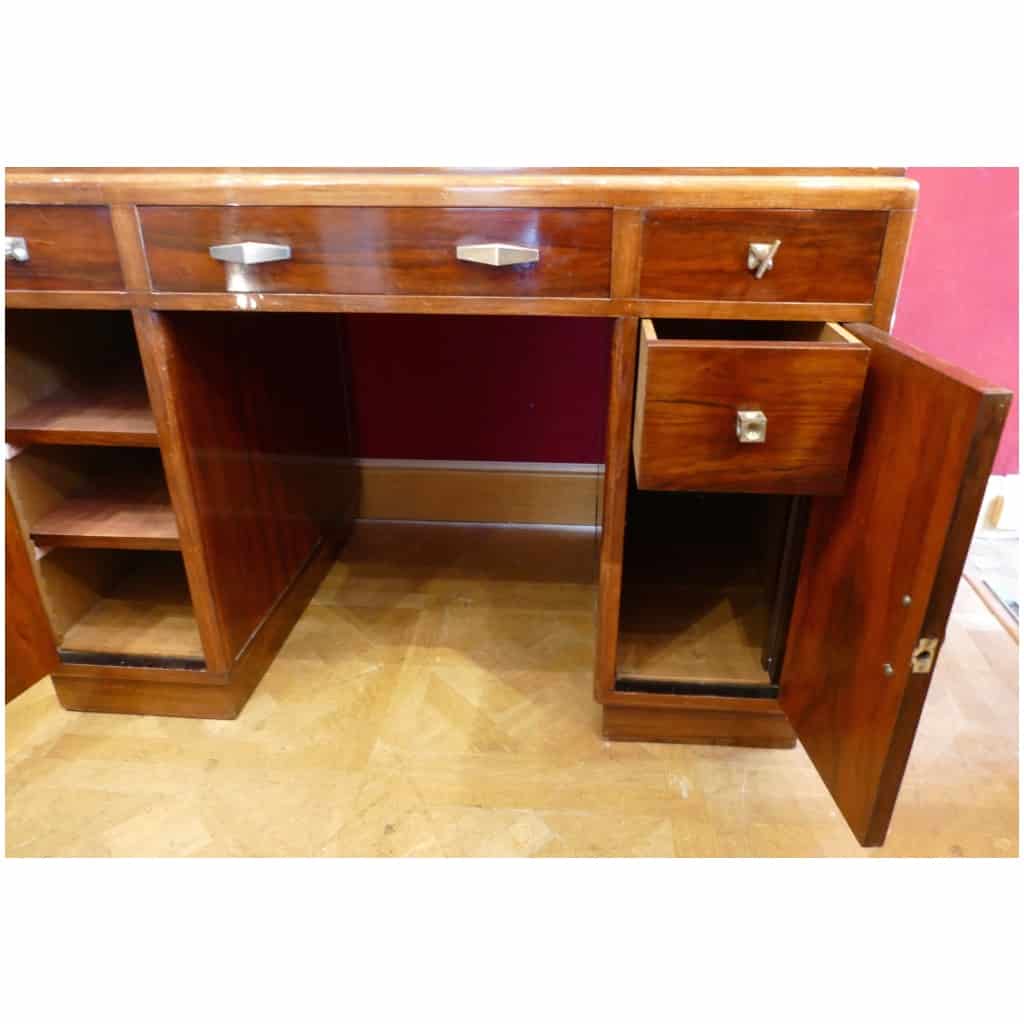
x=695, y=689
x=130, y=660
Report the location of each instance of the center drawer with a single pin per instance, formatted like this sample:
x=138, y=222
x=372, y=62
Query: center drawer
x=746, y=406
x=381, y=250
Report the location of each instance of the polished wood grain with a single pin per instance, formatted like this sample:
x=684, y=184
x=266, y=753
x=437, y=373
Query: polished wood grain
x=622, y=193
x=689, y=391
x=154, y=348
x=627, y=235
x=30, y=652
x=70, y=248
x=729, y=310
x=825, y=256
x=883, y=540
x=262, y=453
x=111, y=411
x=134, y=514
x=379, y=250
x=737, y=188
x=759, y=724
x=107, y=694
x=263, y=302
x=890, y=269
x=993, y=410
x=68, y=300
x=427, y=304
x=124, y=220
x=616, y=491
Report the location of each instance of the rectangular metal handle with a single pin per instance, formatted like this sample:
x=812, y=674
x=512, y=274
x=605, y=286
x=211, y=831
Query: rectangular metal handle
x=15, y=249
x=251, y=252
x=497, y=254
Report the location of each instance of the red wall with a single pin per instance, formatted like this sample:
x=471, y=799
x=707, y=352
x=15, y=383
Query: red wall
x=511, y=389
x=959, y=297
x=533, y=389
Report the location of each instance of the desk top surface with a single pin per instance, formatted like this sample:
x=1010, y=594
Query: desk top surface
x=748, y=187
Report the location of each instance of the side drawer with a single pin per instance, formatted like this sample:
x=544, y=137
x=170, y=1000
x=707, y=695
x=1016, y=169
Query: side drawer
x=799, y=383
x=822, y=256
x=381, y=250
x=61, y=248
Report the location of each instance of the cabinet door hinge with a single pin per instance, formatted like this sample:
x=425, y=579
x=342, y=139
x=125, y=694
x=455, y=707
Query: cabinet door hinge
x=923, y=658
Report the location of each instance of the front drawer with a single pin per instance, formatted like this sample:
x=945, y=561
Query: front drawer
x=68, y=248
x=696, y=377
x=379, y=250
x=822, y=256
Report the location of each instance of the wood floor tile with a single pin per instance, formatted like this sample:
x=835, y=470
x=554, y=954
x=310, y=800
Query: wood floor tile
x=435, y=700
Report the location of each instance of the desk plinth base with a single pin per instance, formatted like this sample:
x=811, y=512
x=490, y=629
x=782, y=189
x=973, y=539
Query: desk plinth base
x=169, y=692
x=753, y=726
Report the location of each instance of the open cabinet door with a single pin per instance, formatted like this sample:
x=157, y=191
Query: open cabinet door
x=880, y=568
x=31, y=652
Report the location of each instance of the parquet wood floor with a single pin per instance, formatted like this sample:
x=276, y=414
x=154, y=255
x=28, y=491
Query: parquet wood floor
x=435, y=700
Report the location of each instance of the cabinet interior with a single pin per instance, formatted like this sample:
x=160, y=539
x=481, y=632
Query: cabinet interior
x=704, y=590
x=87, y=484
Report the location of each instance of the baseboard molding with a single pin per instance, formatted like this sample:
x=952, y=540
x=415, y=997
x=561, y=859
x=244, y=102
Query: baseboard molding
x=561, y=494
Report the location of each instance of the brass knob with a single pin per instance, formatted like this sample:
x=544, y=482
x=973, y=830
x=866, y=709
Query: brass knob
x=761, y=257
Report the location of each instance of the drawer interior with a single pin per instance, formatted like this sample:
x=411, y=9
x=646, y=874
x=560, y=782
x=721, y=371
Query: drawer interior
x=800, y=382
x=665, y=329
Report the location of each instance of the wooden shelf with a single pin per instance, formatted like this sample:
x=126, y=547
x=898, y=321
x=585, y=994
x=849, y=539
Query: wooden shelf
x=694, y=634
x=114, y=412
x=147, y=612
x=136, y=515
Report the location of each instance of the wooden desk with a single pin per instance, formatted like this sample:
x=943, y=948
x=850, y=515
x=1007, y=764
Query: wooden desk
x=789, y=492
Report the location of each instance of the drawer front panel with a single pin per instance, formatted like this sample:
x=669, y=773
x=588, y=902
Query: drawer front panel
x=380, y=250
x=70, y=248
x=689, y=394
x=824, y=255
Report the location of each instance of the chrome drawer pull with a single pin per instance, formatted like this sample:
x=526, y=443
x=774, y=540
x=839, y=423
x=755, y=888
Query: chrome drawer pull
x=497, y=254
x=15, y=249
x=251, y=252
x=751, y=426
x=761, y=257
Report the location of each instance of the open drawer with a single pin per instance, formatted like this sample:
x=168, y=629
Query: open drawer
x=749, y=406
